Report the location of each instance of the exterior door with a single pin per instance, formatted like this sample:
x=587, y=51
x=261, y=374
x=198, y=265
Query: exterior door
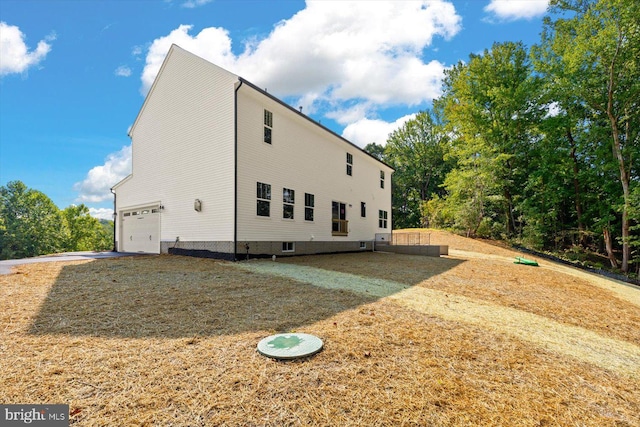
x=339, y=223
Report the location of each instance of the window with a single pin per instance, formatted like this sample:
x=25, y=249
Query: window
x=363, y=209
x=288, y=200
x=381, y=179
x=308, y=206
x=363, y=245
x=288, y=247
x=382, y=219
x=264, y=197
x=349, y=164
x=268, y=126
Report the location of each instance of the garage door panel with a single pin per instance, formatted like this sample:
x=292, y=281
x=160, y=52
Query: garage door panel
x=141, y=232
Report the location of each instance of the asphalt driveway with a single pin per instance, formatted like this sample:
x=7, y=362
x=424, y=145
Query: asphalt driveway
x=6, y=265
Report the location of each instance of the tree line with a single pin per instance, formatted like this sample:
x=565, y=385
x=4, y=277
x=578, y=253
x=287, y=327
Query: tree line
x=31, y=225
x=534, y=145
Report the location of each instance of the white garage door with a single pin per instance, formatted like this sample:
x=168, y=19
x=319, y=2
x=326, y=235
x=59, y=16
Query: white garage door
x=141, y=230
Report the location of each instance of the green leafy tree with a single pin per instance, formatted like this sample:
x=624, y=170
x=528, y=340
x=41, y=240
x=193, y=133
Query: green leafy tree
x=376, y=150
x=86, y=233
x=591, y=50
x=31, y=223
x=563, y=194
x=492, y=109
x=416, y=151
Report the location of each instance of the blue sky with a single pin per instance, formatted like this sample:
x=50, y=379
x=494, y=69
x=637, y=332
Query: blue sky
x=73, y=74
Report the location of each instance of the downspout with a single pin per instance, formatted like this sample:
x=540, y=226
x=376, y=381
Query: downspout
x=391, y=205
x=235, y=171
x=115, y=216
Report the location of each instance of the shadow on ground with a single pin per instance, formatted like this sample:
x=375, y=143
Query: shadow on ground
x=174, y=296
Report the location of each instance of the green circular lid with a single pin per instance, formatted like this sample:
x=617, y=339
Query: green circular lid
x=289, y=346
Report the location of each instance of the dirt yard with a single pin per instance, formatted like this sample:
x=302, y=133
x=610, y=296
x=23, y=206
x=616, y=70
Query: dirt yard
x=467, y=339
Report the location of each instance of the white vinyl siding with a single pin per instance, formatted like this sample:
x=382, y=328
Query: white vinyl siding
x=310, y=160
x=182, y=150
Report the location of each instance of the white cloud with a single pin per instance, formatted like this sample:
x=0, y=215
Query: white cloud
x=190, y=4
x=366, y=131
x=511, y=10
x=101, y=213
x=14, y=52
x=136, y=51
x=352, y=113
x=96, y=186
x=332, y=51
x=211, y=43
x=123, y=71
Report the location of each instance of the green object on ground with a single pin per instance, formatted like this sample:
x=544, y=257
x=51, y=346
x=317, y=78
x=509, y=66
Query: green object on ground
x=289, y=346
x=284, y=341
x=525, y=261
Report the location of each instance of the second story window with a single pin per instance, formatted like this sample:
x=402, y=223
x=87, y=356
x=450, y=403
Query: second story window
x=381, y=179
x=268, y=126
x=363, y=209
x=349, y=164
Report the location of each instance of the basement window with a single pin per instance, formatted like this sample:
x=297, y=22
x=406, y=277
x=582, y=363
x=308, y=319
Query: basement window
x=288, y=247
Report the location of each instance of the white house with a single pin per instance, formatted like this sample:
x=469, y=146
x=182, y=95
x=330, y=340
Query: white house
x=222, y=168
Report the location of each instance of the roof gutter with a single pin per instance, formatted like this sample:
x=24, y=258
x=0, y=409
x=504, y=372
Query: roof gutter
x=235, y=171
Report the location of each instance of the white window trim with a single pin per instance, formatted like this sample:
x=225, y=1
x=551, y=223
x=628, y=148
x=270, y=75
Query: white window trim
x=293, y=247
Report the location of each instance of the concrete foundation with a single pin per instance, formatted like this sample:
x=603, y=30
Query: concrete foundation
x=255, y=249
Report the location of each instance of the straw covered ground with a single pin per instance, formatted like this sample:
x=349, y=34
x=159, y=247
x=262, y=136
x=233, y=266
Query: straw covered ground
x=466, y=339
